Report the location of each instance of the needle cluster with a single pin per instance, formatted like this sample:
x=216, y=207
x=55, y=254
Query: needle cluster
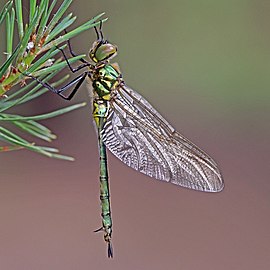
x=38, y=39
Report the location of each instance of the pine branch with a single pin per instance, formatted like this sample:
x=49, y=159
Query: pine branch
x=38, y=38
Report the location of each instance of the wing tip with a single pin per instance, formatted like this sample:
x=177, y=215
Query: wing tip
x=217, y=188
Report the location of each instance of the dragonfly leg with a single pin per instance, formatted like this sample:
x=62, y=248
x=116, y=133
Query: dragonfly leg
x=77, y=82
x=72, y=52
x=73, y=70
x=99, y=229
x=85, y=63
x=99, y=31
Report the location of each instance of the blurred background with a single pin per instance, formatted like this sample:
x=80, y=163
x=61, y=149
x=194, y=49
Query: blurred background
x=204, y=65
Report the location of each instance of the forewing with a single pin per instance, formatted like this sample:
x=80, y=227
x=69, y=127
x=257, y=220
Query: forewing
x=141, y=138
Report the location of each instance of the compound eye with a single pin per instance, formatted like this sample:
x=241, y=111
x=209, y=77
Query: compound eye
x=105, y=51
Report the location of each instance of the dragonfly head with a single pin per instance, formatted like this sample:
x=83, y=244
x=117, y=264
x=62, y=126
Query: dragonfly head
x=102, y=50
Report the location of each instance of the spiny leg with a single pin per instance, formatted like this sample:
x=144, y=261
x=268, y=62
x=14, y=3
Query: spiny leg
x=73, y=70
x=99, y=32
x=77, y=82
x=72, y=52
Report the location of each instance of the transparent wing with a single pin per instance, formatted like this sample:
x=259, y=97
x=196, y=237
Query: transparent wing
x=141, y=138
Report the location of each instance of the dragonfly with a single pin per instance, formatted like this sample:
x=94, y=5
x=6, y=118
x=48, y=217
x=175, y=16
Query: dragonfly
x=132, y=130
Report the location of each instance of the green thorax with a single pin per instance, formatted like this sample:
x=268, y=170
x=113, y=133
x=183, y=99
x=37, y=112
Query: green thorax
x=106, y=78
